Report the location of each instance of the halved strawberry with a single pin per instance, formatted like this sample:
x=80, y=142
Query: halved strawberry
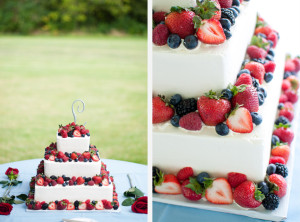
x=51, y=158
x=76, y=133
x=99, y=205
x=52, y=206
x=167, y=184
x=185, y=173
x=95, y=158
x=240, y=121
x=211, y=32
x=82, y=206
x=105, y=182
x=219, y=192
x=40, y=182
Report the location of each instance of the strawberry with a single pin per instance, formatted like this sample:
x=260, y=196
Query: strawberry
x=264, y=30
x=191, y=189
x=240, y=121
x=160, y=35
x=76, y=133
x=91, y=183
x=73, y=156
x=40, y=181
x=287, y=113
x=289, y=66
x=282, y=150
x=270, y=66
x=191, y=121
x=273, y=37
x=255, y=52
x=185, y=173
x=217, y=14
x=53, y=183
x=283, y=98
x=291, y=96
x=60, y=180
x=70, y=206
x=90, y=206
x=244, y=79
x=71, y=183
x=257, y=70
x=95, y=158
x=213, y=109
x=105, y=182
x=86, y=155
x=161, y=112
x=281, y=185
x=284, y=133
x=64, y=134
x=99, y=205
x=81, y=158
x=51, y=157
x=219, y=192
x=97, y=179
x=61, y=205
x=286, y=84
x=225, y=3
x=167, y=184
x=211, y=32
x=52, y=206
x=235, y=179
x=296, y=61
x=47, y=156
x=288, y=106
x=294, y=82
x=247, y=195
x=80, y=180
x=158, y=17
x=82, y=206
x=181, y=23
x=60, y=154
x=277, y=159
x=37, y=205
x=107, y=205
x=248, y=98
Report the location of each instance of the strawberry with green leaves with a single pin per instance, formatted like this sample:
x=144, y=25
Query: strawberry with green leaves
x=167, y=184
x=218, y=191
x=277, y=184
x=284, y=133
x=191, y=189
x=240, y=120
x=281, y=150
x=246, y=95
x=161, y=111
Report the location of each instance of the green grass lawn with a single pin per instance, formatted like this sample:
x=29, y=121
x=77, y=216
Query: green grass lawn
x=41, y=76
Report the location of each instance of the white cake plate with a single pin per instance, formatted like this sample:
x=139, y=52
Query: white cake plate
x=75, y=211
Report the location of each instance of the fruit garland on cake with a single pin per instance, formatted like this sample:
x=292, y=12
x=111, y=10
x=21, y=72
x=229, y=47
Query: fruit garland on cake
x=236, y=187
x=209, y=22
x=240, y=101
x=73, y=130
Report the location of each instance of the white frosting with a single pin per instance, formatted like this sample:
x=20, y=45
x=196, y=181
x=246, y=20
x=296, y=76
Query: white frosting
x=73, y=144
x=165, y=5
x=175, y=148
x=73, y=193
x=69, y=169
x=191, y=73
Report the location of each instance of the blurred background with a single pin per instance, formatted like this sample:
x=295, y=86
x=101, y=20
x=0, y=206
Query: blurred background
x=53, y=52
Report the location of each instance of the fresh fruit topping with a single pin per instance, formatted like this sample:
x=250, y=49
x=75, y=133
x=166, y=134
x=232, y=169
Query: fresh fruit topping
x=225, y=3
x=191, y=121
x=80, y=180
x=296, y=61
x=76, y=133
x=266, y=30
x=284, y=133
x=268, y=77
x=271, y=169
x=160, y=35
x=190, y=42
x=202, y=177
x=225, y=23
x=222, y=129
x=244, y=79
x=273, y=37
x=99, y=205
x=74, y=156
x=52, y=206
x=286, y=84
x=180, y=22
x=60, y=180
x=283, y=98
x=86, y=155
x=281, y=169
x=281, y=150
x=212, y=108
x=95, y=158
x=167, y=184
x=289, y=66
x=175, y=120
x=219, y=192
x=186, y=106
x=159, y=17
x=235, y=179
x=191, y=189
x=70, y=206
x=240, y=120
x=107, y=205
x=279, y=185
x=291, y=96
x=211, y=32
x=161, y=111
x=61, y=205
x=256, y=118
x=263, y=187
x=294, y=82
x=257, y=70
x=175, y=99
x=277, y=159
x=90, y=206
x=185, y=173
x=271, y=201
x=287, y=113
x=207, y=9
x=82, y=206
x=247, y=195
x=174, y=41
x=40, y=181
x=226, y=94
x=228, y=14
x=91, y=183
x=270, y=66
x=255, y=52
x=248, y=98
x=97, y=179
x=283, y=120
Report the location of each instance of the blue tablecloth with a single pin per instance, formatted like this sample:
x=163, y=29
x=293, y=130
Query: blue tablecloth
x=119, y=169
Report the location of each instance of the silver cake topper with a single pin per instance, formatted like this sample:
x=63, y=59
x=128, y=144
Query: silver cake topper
x=78, y=110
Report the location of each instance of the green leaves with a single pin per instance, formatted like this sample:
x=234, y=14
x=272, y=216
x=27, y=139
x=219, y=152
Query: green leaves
x=258, y=195
x=194, y=186
x=212, y=95
x=160, y=176
x=128, y=202
x=4, y=183
x=282, y=125
x=236, y=89
x=197, y=21
x=132, y=192
x=12, y=199
x=206, y=9
x=22, y=197
x=177, y=9
x=259, y=42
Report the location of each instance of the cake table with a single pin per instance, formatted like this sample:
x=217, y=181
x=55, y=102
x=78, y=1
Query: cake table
x=120, y=169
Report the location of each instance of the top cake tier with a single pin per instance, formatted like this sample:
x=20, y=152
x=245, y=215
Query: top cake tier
x=165, y=5
x=193, y=72
x=73, y=138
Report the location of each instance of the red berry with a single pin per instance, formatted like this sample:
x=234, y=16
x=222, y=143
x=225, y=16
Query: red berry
x=257, y=70
x=273, y=37
x=191, y=121
x=280, y=182
x=285, y=135
x=270, y=66
x=225, y=3
x=277, y=159
x=287, y=113
x=185, y=173
x=235, y=179
x=160, y=111
x=289, y=66
x=248, y=98
x=244, y=195
x=286, y=84
x=60, y=180
x=283, y=98
x=211, y=32
x=188, y=192
x=158, y=17
x=291, y=96
x=255, y=52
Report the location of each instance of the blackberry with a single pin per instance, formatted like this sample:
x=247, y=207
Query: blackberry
x=226, y=13
x=76, y=203
x=281, y=169
x=186, y=106
x=70, y=134
x=271, y=201
x=44, y=206
x=53, y=177
x=283, y=120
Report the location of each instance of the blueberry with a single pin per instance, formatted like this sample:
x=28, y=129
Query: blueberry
x=262, y=35
x=60, y=160
x=63, y=176
x=50, y=184
x=287, y=74
x=256, y=118
x=56, y=159
x=85, y=183
x=268, y=76
x=85, y=159
x=277, y=35
x=72, y=136
x=31, y=202
x=70, y=160
x=64, y=184
x=225, y=23
x=271, y=169
x=82, y=135
x=100, y=184
x=76, y=160
x=261, y=98
x=262, y=90
x=201, y=176
x=263, y=187
x=59, y=134
x=67, y=178
x=227, y=33
x=275, y=140
x=45, y=206
x=222, y=129
x=174, y=41
x=236, y=3
x=227, y=94
x=175, y=120
x=115, y=207
x=269, y=57
x=88, y=134
x=271, y=52
x=271, y=43
x=243, y=71
x=56, y=202
x=255, y=82
x=235, y=13
x=76, y=203
x=280, y=106
x=282, y=119
x=76, y=208
x=190, y=42
x=175, y=99
x=236, y=8
x=94, y=202
x=75, y=183
x=91, y=160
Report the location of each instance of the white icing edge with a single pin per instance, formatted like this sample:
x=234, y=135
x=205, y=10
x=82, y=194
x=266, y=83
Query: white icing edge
x=73, y=144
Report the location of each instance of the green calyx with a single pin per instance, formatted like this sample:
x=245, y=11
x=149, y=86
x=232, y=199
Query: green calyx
x=166, y=101
x=279, y=144
x=160, y=176
x=204, y=10
x=260, y=23
x=272, y=186
x=258, y=195
x=282, y=125
x=197, y=187
x=212, y=95
x=236, y=89
x=258, y=41
x=178, y=9
x=232, y=113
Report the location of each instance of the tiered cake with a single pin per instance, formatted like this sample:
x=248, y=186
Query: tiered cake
x=72, y=175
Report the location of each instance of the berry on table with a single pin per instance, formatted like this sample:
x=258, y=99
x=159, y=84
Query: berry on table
x=190, y=42
x=174, y=41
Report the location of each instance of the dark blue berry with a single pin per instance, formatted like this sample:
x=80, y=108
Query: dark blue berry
x=201, y=177
x=76, y=160
x=275, y=140
x=60, y=160
x=88, y=134
x=93, y=202
x=236, y=8
x=115, y=207
x=50, y=184
x=85, y=159
x=76, y=203
x=100, y=184
x=174, y=41
x=225, y=23
x=45, y=206
x=222, y=129
x=236, y=3
x=243, y=71
x=261, y=98
x=271, y=169
x=269, y=57
x=64, y=184
x=227, y=33
x=255, y=82
x=263, y=91
x=91, y=160
x=268, y=76
x=271, y=52
x=63, y=176
x=190, y=42
x=256, y=118
x=56, y=159
x=282, y=119
x=72, y=136
x=175, y=99
x=235, y=13
x=280, y=106
x=85, y=183
x=271, y=43
x=75, y=183
x=175, y=120
x=262, y=35
x=287, y=74
x=70, y=160
x=263, y=187
x=271, y=201
x=82, y=135
x=227, y=94
x=76, y=208
x=281, y=169
x=56, y=202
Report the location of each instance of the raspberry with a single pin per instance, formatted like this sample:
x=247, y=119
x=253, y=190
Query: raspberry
x=158, y=17
x=160, y=35
x=191, y=121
